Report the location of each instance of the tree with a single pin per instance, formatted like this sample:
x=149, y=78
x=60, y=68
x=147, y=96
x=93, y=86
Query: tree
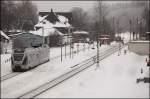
x=22, y=15
x=80, y=18
x=27, y=15
x=145, y=16
x=8, y=17
x=100, y=13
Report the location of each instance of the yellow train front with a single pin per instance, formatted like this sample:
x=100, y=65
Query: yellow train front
x=28, y=52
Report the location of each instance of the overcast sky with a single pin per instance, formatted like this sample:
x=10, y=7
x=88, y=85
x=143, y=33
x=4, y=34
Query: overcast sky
x=65, y=6
x=59, y=6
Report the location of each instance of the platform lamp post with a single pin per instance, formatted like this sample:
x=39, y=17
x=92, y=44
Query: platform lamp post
x=93, y=40
x=69, y=36
x=42, y=35
x=97, y=49
x=48, y=41
x=72, y=47
x=65, y=48
x=77, y=48
x=61, y=48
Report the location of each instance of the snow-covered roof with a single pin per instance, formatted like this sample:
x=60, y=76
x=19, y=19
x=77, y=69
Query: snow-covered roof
x=80, y=32
x=16, y=34
x=42, y=18
x=47, y=32
x=104, y=38
x=50, y=25
x=4, y=35
x=44, y=21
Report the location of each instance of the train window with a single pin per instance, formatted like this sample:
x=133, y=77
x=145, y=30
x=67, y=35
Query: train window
x=18, y=57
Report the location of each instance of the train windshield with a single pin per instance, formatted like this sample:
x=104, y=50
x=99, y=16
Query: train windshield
x=18, y=57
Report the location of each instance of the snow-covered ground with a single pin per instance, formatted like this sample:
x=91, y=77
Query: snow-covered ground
x=46, y=72
x=5, y=63
x=54, y=52
x=126, y=36
x=116, y=78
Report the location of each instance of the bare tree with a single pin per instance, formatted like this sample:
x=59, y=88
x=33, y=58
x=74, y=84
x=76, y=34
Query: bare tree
x=80, y=18
x=27, y=15
x=101, y=12
x=22, y=15
x=8, y=17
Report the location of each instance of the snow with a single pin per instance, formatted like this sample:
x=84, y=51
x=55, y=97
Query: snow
x=126, y=36
x=140, y=41
x=5, y=64
x=4, y=35
x=62, y=18
x=80, y=32
x=47, y=32
x=45, y=23
x=32, y=79
x=42, y=18
x=114, y=79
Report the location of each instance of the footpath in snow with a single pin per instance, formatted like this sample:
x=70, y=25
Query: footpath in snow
x=116, y=78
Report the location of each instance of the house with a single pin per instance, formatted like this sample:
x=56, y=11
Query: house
x=5, y=44
x=59, y=21
x=81, y=36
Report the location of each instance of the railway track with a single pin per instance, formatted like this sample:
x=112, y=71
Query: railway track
x=76, y=69
x=13, y=74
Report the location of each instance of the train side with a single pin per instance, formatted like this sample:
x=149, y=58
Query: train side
x=25, y=59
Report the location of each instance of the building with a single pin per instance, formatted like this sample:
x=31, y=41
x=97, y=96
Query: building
x=80, y=36
x=61, y=24
x=5, y=44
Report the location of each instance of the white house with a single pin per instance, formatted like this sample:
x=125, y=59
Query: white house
x=54, y=23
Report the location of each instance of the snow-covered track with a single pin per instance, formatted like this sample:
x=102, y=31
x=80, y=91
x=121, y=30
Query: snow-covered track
x=13, y=74
x=8, y=76
x=76, y=69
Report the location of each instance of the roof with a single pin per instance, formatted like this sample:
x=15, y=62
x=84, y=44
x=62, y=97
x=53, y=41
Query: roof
x=4, y=35
x=50, y=25
x=51, y=19
x=80, y=32
x=47, y=32
x=26, y=40
x=66, y=14
x=104, y=38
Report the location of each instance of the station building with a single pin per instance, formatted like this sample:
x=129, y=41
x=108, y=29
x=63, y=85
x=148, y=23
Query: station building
x=57, y=25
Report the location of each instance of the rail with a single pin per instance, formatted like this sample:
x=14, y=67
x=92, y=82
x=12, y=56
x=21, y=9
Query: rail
x=79, y=67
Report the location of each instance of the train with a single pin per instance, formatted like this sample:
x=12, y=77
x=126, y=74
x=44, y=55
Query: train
x=28, y=52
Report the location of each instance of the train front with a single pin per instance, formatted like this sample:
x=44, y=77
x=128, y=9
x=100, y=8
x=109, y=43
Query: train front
x=19, y=60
